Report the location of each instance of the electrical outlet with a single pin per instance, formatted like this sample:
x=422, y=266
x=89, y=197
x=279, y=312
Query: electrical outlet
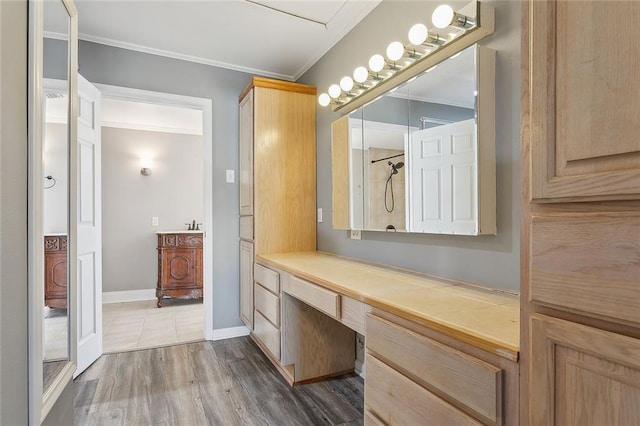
x=320, y=215
x=355, y=234
x=231, y=176
x=154, y=221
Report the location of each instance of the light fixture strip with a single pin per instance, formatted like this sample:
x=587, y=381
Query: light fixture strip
x=392, y=75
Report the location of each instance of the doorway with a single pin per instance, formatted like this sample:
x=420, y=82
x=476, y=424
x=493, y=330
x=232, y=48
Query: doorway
x=171, y=136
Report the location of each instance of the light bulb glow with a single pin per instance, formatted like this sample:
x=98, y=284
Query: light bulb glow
x=145, y=162
x=324, y=99
x=395, y=50
x=346, y=83
x=432, y=68
x=376, y=63
x=360, y=74
x=418, y=34
x=334, y=91
x=443, y=16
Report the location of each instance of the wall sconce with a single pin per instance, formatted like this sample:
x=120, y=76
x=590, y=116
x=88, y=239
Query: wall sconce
x=145, y=163
x=453, y=31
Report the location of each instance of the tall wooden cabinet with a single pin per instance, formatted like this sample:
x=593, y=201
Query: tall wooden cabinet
x=580, y=234
x=277, y=156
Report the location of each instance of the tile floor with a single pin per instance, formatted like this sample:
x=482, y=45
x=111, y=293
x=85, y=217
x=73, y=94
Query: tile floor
x=55, y=334
x=142, y=325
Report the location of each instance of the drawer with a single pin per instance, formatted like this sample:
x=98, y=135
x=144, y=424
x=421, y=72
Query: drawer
x=268, y=304
x=397, y=400
x=246, y=228
x=353, y=313
x=267, y=278
x=320, y=298
x=449, y=372
x=267, y=333
x=588, y=263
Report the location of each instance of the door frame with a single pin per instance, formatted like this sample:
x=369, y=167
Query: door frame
x=206, y=107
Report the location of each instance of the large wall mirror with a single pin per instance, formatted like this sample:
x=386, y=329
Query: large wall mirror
x=51, y=124
x=421, y=158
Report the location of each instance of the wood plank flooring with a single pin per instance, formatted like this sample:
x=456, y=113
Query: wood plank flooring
x=228, y=382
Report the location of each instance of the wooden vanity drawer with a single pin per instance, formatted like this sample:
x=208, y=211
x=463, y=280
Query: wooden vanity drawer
x=320, y=298
x=353, y=313
x=396, y=400
x=246, y=228
x=456, y=376
x=268, y=304
x=267, y=278
x=267, y=333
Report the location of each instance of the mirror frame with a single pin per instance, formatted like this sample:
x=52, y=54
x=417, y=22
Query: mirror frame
x=42, y=400
x=485, y=154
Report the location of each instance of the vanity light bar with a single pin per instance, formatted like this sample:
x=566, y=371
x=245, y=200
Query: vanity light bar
x=424, y=44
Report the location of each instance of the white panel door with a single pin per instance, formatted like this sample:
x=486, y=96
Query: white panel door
x=442, y=163
x=88, y=227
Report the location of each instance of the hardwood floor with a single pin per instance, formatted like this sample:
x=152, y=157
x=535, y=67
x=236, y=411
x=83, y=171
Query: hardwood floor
x=228, y=382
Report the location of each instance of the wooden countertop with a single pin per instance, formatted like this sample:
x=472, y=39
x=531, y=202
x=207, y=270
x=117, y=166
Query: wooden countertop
x=485, y=318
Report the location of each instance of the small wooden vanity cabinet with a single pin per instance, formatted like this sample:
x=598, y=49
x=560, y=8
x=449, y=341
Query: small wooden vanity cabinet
x=55, y=271
x=179, y=265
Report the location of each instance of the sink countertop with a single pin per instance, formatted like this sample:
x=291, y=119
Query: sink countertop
x=180, y=232
x=485, y=318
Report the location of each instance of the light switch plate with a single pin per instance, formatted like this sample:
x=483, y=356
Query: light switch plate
x=320, y=215
x=154, y=221
x=231, y=176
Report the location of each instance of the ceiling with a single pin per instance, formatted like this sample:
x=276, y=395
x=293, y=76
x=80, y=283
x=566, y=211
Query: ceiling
x=452, y=82
x=280, y=39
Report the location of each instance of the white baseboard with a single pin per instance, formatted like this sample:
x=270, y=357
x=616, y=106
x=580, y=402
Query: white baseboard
x=229, y=333
x=128, y=295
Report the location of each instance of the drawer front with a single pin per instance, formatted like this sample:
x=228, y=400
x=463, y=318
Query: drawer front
x=267, y=333
x=320, y=298
x=458, y=376
x=267, y=278
x=588, y=263
x=396, y=400
x=353, y=313
x=246, y=228
x=268, y=304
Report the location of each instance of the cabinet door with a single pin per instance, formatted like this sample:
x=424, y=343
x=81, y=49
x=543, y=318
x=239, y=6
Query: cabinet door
x=584, y=126
x=246, y=155
x=182, y=268
x=340, y=146
x=588, y=376
x=246, y=283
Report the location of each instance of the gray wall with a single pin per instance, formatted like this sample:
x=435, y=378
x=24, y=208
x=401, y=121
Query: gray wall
x=487, y=260
x=174, y=193
x=13, y=213
x=55, y=164
x=120, y=67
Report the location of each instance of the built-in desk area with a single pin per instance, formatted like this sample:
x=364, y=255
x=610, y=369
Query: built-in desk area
x=435, y=348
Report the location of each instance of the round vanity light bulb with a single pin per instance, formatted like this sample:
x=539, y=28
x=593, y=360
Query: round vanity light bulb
x=418, y=34
x=324, y=99
x=334, y=91
x=346, y=83
x=360, y=74
x=443, y=16
x=376, y=63
x=395, y=50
